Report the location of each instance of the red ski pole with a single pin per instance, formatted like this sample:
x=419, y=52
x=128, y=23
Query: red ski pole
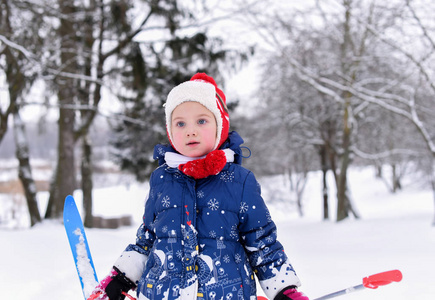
x=372, y=282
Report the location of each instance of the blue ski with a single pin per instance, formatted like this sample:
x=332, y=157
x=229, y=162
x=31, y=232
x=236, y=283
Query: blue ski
x=79, y=247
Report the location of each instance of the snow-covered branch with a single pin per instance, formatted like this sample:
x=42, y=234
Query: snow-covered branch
x=418, y=63
x=29, y=55
x=99, y=111
x=384, y=154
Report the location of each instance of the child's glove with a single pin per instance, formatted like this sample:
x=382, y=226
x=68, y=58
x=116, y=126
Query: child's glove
x=292, y=294
x=113, y=286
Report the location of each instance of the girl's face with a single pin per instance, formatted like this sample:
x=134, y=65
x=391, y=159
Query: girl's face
x=193, y=129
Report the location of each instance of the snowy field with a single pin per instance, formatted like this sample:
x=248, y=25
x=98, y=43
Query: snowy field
x=395, y=232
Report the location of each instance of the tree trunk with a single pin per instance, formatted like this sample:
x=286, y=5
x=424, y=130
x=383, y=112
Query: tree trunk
x=378, y=168
x=342, y=205
x=87, y=117
x=49, y=213
x=17, y=81
x=14, y=77
x=64, y=180
x=324, y=162
x=395, y=178
x=25, y=170
x=433, y=192
x=86, y=170
x=4, y=117
x=342, y=201
x=301, y=181
x=433, y=184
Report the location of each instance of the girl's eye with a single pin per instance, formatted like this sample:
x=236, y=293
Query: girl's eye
x=202, y=121
x=180, y=124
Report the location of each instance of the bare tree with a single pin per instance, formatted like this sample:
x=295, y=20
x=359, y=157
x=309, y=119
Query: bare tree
x=24, y=170
x=105, y=33
x=20, y=73
x=340, y=52
x=64, y=182
x=412, y=97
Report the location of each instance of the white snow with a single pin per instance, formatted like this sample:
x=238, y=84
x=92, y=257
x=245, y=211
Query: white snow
x=394, y=232
x=84, y=265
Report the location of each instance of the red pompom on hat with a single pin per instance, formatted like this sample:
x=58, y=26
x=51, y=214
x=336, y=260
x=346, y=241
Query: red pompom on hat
x=203, y=89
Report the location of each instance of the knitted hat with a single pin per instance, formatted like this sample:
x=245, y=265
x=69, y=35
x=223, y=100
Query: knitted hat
x=202, y=89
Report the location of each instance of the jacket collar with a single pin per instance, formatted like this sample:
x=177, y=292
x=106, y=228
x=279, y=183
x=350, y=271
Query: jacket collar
x=233, y=142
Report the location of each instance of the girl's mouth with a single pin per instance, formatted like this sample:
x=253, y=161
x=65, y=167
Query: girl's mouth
x=192, y=143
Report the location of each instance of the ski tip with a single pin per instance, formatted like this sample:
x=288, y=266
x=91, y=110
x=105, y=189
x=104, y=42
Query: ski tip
x=68, y=206
x=69, y=200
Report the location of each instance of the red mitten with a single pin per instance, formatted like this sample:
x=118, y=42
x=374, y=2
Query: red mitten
x=100, y=290
x=113, y=287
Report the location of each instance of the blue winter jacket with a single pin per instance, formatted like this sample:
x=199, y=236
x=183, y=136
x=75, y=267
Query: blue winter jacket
x=205, y=239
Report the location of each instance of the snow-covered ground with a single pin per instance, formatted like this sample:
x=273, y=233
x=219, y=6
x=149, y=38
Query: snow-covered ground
x=394, y=232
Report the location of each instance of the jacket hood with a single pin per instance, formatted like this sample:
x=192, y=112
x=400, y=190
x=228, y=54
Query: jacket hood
x=233, y=142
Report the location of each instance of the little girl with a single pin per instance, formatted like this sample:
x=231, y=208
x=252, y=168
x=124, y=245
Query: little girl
x=206, y=229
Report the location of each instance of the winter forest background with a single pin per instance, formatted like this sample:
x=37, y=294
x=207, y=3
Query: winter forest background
x=323, y=85
x=320, y=85
x=314, y=87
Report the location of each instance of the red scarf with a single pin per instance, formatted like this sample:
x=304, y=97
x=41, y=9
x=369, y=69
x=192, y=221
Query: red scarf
x=212, y=164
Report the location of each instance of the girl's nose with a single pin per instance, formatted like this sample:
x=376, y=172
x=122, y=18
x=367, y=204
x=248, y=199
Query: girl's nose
x=191, y=132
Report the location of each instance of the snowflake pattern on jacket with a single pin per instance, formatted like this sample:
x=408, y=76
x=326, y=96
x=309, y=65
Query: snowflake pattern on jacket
x=205, y=239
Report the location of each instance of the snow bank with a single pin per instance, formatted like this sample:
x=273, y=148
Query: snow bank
x=395, y=232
